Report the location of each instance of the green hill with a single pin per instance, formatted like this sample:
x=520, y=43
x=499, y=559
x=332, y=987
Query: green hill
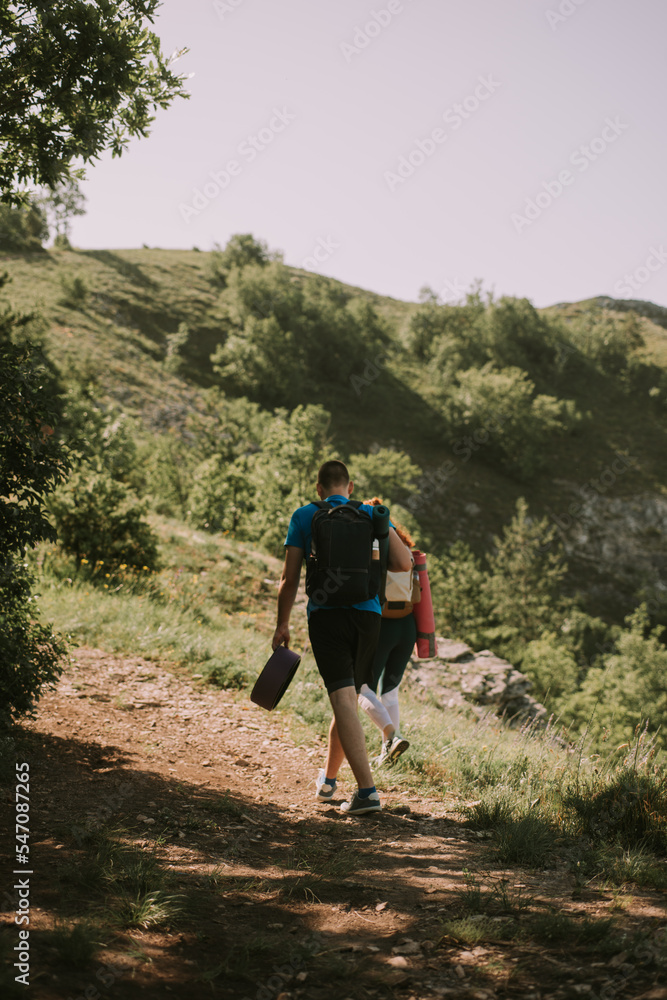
x=108, y=317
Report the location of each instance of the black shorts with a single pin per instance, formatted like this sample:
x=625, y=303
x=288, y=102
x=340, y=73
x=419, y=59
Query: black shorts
x=343, y=641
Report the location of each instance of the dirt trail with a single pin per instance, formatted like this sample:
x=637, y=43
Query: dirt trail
x=282, y=897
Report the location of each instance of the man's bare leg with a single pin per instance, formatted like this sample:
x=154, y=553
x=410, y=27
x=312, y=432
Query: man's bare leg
x=346, y=738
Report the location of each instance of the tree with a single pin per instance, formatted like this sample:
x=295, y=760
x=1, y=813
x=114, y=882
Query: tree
x=282, y=476
x=22, y=228
x=101, y=519
x=389, y=474
x=524, y=585
x=33, y=462
x=76, y=78
x=60, y=205
x=289, y=339
x=626, y=689
x=241, y=249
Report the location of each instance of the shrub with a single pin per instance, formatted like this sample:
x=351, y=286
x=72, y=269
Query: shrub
x=498, y=410
x=22, y=228
x=30, y=651
x=523, y=588
x=102, y=437
x=518, y=336
x=167, y=463
x=609, y=342
x=389, y=474
x=74, y=291
x=450, y=335
x=219, y=500
x=101, y=520
x=241, y=249
x=288, y=338
x=460, y=603
x=627, y=688
x=33, y=461
x=551, y=667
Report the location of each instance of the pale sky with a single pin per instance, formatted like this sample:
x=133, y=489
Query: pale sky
x=410, y=142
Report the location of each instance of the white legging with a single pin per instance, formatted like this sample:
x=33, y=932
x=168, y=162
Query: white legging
x=384, y=711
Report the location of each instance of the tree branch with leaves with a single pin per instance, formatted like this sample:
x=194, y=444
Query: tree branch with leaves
x=76, y=78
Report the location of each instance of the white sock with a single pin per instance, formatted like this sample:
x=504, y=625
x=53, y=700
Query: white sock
x=390, y=705
x=371, y=704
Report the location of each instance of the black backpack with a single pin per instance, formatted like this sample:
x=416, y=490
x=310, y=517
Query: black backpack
x=341, y=569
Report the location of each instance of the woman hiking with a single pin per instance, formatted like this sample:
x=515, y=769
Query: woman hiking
x=398, y=634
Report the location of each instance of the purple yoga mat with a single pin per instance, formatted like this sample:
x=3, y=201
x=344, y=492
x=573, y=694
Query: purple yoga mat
x=275, y=678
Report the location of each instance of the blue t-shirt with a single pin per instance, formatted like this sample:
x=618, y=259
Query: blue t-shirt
x=299, y=534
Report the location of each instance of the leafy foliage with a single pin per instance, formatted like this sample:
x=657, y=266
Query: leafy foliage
x=104, y=438
x=288, y=338
x=627, y=688
x=608, y=341
x=551, y=666
x=32, y=463
x=101, y=520
x=60, y=205
x=386, y=473
x=241, y=249
x=499, y=410
x=76, y=79
x=450, y=336
x=22, y=228
x=30, y=651
x=460, y=599
x=515, y=599
x=220, y=499
x=525, y=582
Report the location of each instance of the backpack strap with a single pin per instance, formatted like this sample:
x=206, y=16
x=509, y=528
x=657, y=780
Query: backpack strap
x=322, y=504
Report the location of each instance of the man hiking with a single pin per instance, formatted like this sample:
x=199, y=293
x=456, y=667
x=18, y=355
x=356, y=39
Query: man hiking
x=343, y=637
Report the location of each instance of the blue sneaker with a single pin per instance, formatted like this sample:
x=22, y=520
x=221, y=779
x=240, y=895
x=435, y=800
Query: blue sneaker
x=324, y=791
x=359, y=806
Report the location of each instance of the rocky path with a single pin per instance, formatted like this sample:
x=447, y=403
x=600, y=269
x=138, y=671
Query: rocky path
x=275, y=896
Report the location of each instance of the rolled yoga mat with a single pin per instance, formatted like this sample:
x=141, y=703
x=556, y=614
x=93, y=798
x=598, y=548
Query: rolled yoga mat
x=423, y=611
x=275, y=678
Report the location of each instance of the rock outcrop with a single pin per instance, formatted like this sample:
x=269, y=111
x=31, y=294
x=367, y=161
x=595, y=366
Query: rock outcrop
x=458, y=676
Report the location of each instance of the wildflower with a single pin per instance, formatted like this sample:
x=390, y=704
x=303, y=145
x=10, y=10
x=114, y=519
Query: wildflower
x=84, y=562
x=123, y=566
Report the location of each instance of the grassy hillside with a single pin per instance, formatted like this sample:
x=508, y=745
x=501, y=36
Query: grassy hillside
x=114, y=336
